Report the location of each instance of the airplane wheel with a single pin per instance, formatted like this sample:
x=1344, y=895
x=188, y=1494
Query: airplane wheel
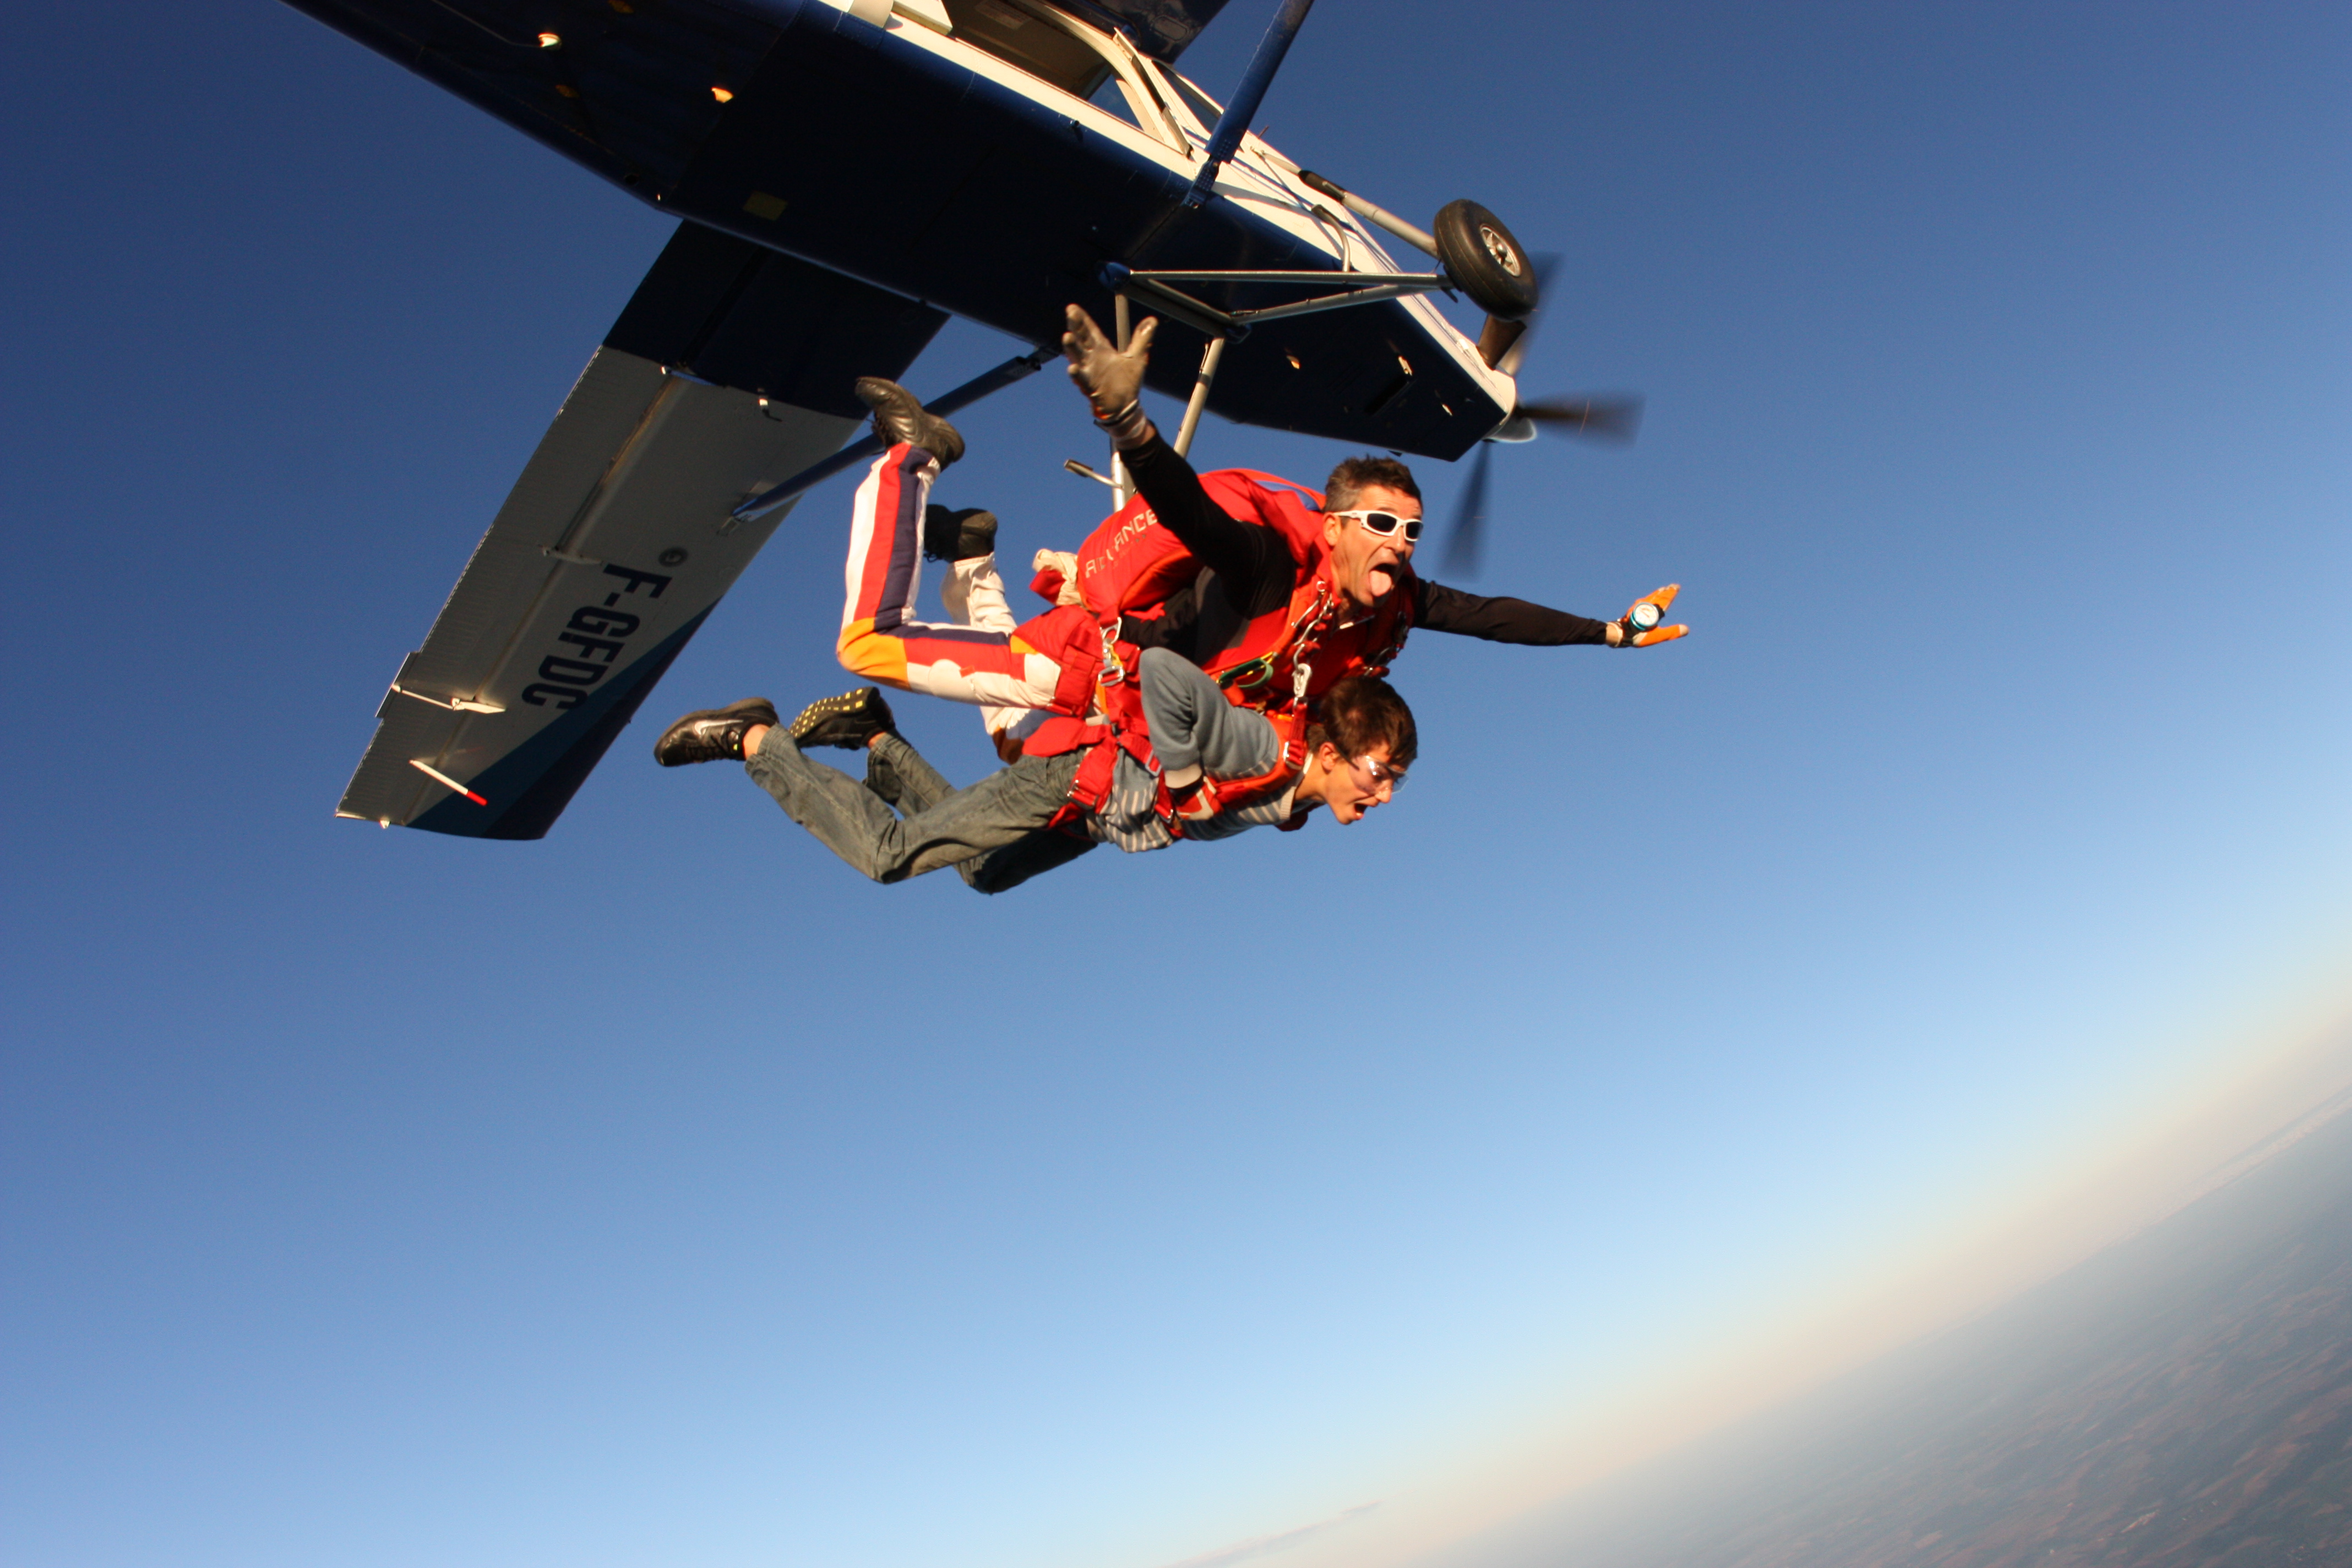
x=1484, y=260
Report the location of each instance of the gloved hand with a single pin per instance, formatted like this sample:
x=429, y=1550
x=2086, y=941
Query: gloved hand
x=1110, y=376
x=1638, y=628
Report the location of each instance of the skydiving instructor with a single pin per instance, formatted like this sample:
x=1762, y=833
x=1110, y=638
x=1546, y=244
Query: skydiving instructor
x=1371, y=523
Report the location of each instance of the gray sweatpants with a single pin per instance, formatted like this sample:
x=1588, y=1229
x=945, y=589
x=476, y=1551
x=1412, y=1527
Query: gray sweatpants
x=1194, y=729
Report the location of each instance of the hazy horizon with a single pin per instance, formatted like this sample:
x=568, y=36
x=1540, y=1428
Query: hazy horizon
x=2181, y=1395
x=1627, y=1461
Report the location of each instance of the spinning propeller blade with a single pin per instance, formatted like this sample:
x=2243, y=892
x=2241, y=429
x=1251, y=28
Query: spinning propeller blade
x=1609, y=419
x=1504, y=344
x=1516, y=354
x=1469, y=519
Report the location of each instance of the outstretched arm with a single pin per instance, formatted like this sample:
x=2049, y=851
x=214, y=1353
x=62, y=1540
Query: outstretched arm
x=1515, y=620
x=1445, y=609
x=1241, y=553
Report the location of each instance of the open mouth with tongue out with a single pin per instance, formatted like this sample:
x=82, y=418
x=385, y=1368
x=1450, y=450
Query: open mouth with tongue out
x=1370, y=563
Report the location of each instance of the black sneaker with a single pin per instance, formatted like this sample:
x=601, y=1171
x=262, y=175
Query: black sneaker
x=848, y=721
x=715, y=734
x=899, y=417
x=965, y=535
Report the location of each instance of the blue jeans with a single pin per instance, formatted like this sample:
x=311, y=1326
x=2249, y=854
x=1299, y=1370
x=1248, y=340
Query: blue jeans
x=993, y=833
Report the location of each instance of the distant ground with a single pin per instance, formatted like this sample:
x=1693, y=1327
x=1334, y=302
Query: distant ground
x=2183, y=1399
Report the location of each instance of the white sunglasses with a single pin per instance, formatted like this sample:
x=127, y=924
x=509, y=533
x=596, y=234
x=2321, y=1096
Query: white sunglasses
x=1383, y=524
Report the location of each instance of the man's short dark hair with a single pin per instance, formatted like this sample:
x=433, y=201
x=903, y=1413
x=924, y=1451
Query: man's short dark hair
x=1356, y=475
x=1362, y=713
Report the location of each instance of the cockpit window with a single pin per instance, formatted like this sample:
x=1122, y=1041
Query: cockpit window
x=1080, y=58
x=1114, y=97
x=1015, y=34
x=1204, y=108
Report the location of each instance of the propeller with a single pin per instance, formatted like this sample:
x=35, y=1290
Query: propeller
x=1469, y=519
x=1599, y=418
x=1604, y=418
x=1608, y=418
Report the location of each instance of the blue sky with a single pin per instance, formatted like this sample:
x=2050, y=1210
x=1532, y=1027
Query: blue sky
x=662, y=1192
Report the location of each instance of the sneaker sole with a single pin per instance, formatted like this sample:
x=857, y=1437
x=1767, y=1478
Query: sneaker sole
x=859, y=701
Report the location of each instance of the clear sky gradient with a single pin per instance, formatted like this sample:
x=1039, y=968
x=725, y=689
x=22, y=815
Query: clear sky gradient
x=664, y=1193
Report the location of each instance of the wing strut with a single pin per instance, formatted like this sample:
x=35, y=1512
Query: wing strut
x=1018, y=368
x=1242, y=108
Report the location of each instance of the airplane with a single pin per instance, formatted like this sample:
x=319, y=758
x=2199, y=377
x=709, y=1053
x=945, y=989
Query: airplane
x=848, y=173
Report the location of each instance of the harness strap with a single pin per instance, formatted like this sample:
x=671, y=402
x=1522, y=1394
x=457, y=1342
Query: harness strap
x=1103, y=742
x=1299, y=634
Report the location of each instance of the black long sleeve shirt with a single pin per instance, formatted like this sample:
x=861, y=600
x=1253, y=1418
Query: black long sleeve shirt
x=1247, y=571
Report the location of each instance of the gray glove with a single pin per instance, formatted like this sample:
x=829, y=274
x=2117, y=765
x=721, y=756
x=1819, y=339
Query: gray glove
x=1111, y=377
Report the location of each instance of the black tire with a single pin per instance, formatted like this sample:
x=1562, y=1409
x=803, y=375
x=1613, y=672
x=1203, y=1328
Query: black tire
x=1485, y=260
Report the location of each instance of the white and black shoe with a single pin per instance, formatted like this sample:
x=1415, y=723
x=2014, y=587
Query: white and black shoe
x=715, y=734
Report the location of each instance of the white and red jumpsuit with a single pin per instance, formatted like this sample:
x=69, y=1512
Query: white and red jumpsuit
x=882, y=640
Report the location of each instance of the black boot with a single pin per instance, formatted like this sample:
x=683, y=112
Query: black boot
x=849, y=720
x=715, y=734
x=963, y=535
x=899, y=417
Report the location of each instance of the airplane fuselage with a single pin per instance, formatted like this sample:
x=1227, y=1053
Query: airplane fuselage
x=919, y=162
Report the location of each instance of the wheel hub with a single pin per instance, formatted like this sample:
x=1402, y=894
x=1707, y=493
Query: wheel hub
x=1498, y=245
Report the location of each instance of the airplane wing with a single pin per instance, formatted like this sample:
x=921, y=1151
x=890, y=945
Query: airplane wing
x=729, y=372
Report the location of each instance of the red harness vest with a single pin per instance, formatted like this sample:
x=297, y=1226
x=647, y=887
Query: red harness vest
x=1280, y=665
